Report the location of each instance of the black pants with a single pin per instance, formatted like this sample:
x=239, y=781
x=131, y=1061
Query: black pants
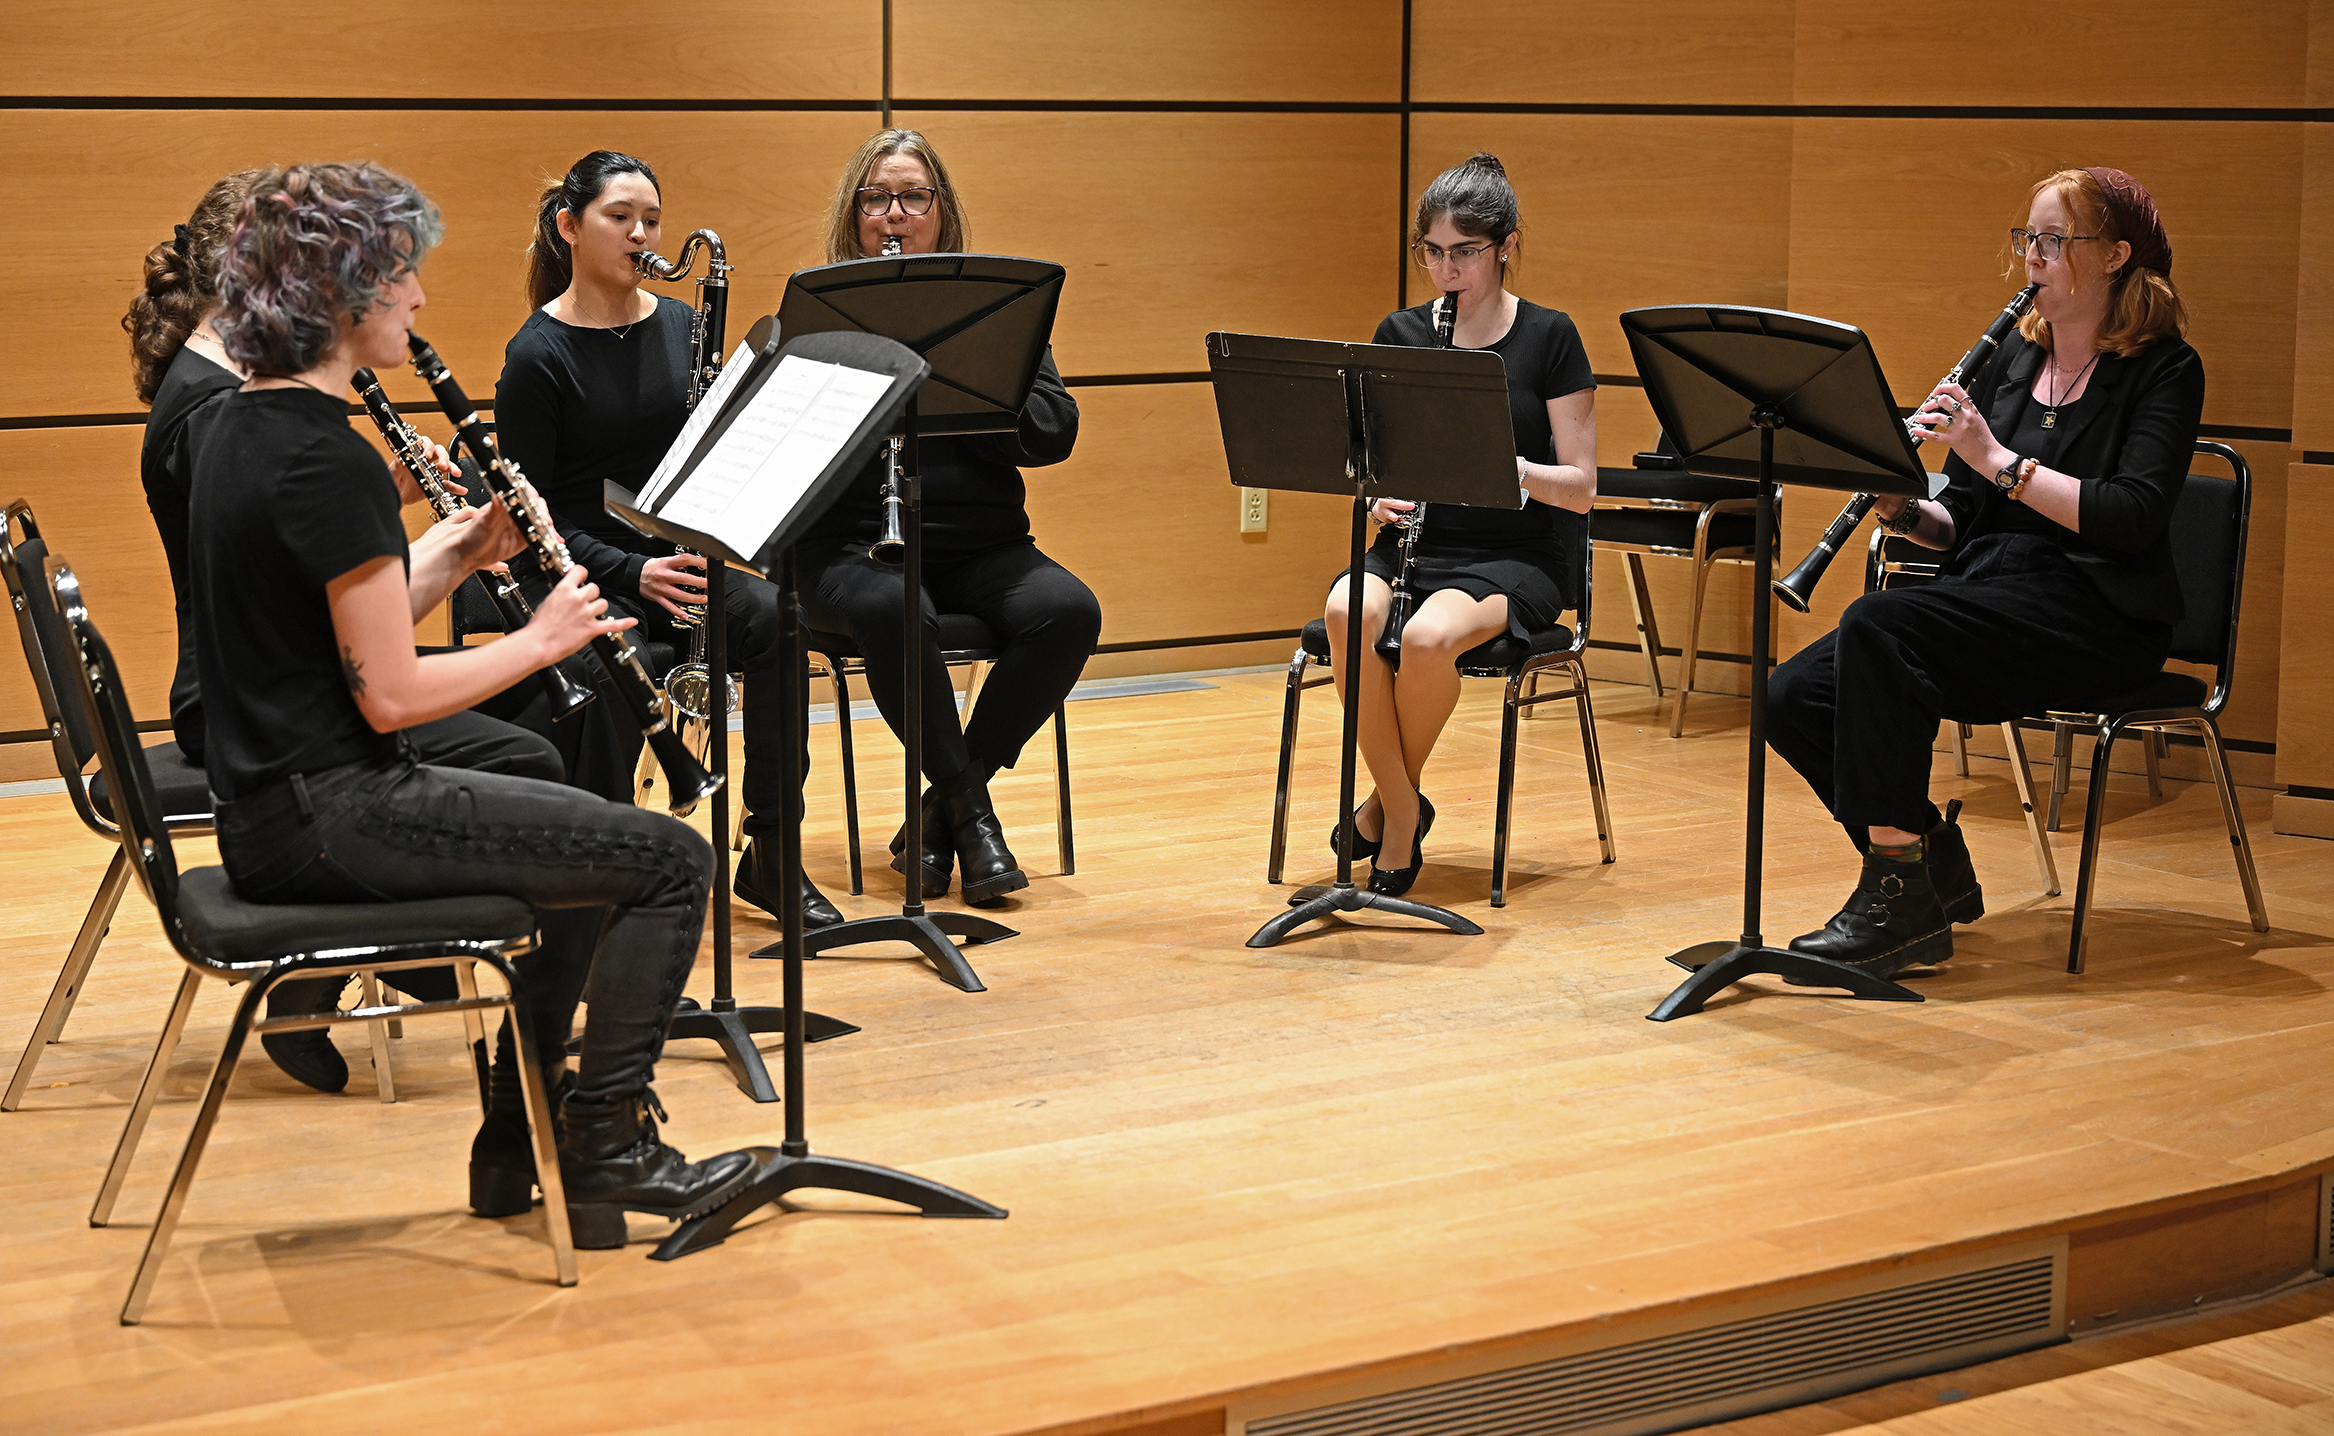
x=1045, y=620
x=2020, y=630
x=619, y=894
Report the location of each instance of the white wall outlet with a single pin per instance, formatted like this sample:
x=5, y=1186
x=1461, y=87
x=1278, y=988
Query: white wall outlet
x=1252, y=510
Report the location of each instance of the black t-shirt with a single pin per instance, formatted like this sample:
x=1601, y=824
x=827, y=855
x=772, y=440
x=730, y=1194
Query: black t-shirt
x=166, y=468
x=575, y=407
x=2000, y=515
x=1544, y=361
x=286, y=499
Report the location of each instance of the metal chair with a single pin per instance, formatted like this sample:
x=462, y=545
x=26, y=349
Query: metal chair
x=184, y=796
x=1519, y=662
x=218, y=935
x=964, y=641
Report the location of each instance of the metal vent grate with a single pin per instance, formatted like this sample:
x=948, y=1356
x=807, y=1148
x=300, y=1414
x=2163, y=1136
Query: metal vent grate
x=1696, y=1376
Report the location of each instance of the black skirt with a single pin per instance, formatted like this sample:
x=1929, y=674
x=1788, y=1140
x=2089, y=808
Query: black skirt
x=1532, y=579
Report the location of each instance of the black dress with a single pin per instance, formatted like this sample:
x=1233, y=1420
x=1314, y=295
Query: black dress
x=1527, y=553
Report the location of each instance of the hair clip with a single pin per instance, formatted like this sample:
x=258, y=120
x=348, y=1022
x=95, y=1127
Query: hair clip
x=179, y=239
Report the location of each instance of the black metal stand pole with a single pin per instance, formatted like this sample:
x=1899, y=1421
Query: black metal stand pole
x=791, y=1166
x=932, y=934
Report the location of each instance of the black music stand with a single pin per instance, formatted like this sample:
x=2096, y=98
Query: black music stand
x=792, y=1166
x=982, y=322
x=1374, y=421
x=1777, y=397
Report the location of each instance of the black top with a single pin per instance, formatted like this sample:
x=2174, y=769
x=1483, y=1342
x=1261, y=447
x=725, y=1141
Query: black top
x=167, y=469
x=2129, y=441
x=286, y=499
x=2029, y=437
x=576, y=407
x=974, y=496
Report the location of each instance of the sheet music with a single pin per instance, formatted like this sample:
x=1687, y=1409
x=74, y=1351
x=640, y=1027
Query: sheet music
x=700, y=419
x=785, y=437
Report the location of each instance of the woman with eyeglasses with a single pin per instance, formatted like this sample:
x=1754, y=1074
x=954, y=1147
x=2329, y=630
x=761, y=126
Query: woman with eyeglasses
x=979, y=556
x=2068, y=455
x=1479, y=572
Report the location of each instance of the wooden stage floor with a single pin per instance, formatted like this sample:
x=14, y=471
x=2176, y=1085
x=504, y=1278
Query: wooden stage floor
x=1233, y=1174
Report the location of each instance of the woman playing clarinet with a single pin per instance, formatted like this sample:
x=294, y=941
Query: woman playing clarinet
x=1477, y=573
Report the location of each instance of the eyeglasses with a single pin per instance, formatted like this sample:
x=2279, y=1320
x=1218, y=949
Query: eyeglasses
x=2045, y=244
x=876, y=203
x=1458, y=255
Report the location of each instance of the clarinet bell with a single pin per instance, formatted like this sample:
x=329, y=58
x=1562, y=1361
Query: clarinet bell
x=568, y=697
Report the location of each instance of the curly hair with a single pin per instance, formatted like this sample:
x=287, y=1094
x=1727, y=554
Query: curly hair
x=550, y=259
x=182, y=283
x=313, y=245
x=843, y=213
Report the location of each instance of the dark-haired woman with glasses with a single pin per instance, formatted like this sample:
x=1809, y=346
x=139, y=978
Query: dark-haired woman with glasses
x=979, y=557
x=1480, y=572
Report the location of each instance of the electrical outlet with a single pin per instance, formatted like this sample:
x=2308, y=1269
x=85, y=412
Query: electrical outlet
x=1252, y=510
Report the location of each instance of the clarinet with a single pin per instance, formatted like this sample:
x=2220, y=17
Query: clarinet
x=405, y=441
x=891, y=547
x=1389, y=644
x=1797, y=588
x=617, y=652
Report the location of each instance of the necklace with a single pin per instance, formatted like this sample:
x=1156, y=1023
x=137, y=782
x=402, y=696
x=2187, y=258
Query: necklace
x=2058, y=395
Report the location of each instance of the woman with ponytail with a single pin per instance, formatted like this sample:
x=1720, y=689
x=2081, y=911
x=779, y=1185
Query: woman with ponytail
x=1480, y=572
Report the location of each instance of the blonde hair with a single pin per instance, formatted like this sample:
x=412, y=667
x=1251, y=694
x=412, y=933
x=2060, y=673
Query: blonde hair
x=843, y=218
x=2142, y=304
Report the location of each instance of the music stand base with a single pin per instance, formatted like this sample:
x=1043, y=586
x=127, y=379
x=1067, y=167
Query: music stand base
x=1349, y=898
x=931, y=933
x=1717, y=965
x=734, y=1028
x=780, y=1174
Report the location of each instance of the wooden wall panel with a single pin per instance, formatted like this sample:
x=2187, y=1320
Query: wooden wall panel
x=2151, y=53
x=761, y=180
x=1299, y=51
x=2313, y=378
x=435, y=49
x=1146, y=513
x=1702, y=52
x=1621, y=211
x=2305, y=739
x=1920, y=267
x=1186, y=252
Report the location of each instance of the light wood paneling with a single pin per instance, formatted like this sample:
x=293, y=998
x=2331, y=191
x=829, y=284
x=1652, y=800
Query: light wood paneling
x=715, y=49
x=1206, y=50
x=2305, y=739
x=1697, y=52
x=1923, y=273
x=1622, y=211
x=1177, y=248
x=2313, y=379
x=2149, y=53
x=761, y=180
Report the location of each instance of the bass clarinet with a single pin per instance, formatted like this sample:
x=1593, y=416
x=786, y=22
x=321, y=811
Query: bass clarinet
x=1412, y=524
x=405, y=441
x=1797, y=588
x=617, y=652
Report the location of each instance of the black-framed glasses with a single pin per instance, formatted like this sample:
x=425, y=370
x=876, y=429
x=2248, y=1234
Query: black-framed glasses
x=2045, y=244
x=876, y=203
x=1459, y=255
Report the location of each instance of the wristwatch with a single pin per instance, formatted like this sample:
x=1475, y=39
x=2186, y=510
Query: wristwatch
x=2013, y=476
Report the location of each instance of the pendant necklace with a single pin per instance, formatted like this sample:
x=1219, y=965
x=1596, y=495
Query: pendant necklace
x=2058, y=395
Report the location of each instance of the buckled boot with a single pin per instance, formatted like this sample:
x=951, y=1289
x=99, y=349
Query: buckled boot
x=1950, y=871
x=1892, y=921
x=307, y=1057
x=612, y=1162
x=756, y=880
x=938, y=843
x=990, y=869
x=502, y=1155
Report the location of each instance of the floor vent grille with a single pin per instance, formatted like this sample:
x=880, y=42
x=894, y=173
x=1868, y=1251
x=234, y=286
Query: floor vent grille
x=1690, y=1377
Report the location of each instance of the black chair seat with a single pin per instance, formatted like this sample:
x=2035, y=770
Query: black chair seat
x=181, y=786
x=1669, y=484
x=959, y=633
x=2166, y=690
x=224, y=927
x=1671, y=528
x=1504, y=652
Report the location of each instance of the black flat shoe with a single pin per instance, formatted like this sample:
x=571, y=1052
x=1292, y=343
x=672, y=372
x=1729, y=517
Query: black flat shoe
x=1393, y=882
x=756, y=880
x=307, y=1057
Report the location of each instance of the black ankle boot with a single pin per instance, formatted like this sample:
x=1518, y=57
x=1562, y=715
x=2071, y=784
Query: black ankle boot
x=502, y=1155
x=1950, y=871
x=307, y=1057
x=1892, y=921
x=938, y=844
x=990, y=870
x=612, y=1162
x=756, y=880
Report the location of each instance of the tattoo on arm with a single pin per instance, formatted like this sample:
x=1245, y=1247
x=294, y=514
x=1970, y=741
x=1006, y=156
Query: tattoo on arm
x=353, y=671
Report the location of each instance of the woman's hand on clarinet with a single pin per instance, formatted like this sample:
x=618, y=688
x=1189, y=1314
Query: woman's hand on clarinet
x=481, y=536
x=674, y=580
x=571, y=615
x=1391, y=511
x=1949, y=417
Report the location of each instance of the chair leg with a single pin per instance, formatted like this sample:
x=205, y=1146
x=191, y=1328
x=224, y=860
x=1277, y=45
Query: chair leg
x=1594, y=760
x=2062, y=758
x=1065, y=838
x=1648, y=632
x=850, y=774
x=2152, y=748
x=2019, y=772
x=142, y=1106
x=2094, y=820
x=977, y=673
x=1961, y=750
x=1502, y=810
x=2240, y=844
x=546, y=1150
x=78, y=958
x=206, y=1117
x=474, y=1026
x=1288, y=752
x=1693, y=649
x=369, y=989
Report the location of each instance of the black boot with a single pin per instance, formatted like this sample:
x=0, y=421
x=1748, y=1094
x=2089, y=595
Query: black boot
x=612, y=1162
x=756, y=880
x=938, y=843
x=990, y=870
x=307, y=1057
x=1892, y=921
x=502, y=1155
x=1950, y=871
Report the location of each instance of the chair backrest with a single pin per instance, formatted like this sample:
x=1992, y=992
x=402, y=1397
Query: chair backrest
x=2209, y=524
x=96, y=691
x=48, y=654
